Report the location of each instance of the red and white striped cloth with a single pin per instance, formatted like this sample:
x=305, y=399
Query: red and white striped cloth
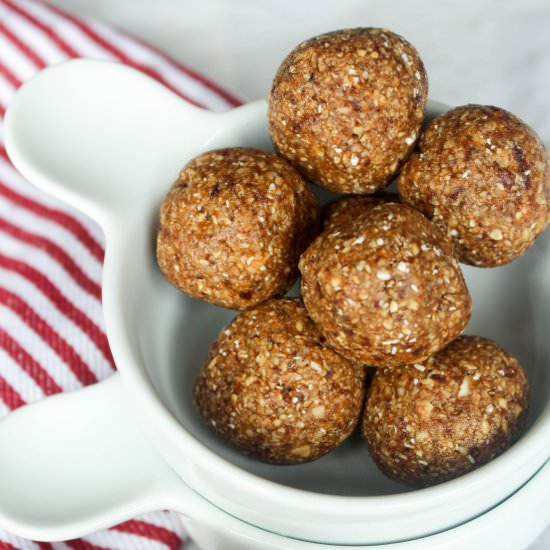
x=52, y=336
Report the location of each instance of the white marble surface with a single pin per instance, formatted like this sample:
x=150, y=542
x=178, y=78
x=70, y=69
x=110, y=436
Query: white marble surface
x=490, y=51
x=485, y=51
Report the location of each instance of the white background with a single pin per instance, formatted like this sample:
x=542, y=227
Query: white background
x=482, y=51
x=485, y=51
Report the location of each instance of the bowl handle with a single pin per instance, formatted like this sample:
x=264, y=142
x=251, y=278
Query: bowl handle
x=78, y=462
x=102, y=136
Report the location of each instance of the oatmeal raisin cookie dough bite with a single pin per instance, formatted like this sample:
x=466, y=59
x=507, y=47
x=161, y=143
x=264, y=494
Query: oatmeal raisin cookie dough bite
x=272, y=387
x=346, y=107
x=483, y=177
x=436, y=420
x=233, y=226
x=385, y=287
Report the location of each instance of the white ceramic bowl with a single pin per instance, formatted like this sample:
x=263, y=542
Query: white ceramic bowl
x=109, y=140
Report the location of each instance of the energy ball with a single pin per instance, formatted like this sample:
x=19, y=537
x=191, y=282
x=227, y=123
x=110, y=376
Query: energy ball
x=385, y=288
x=482, y=176
x=346, y=209
x=434, y=421
x=273, y=388
x=233, y=226
x=346, y=107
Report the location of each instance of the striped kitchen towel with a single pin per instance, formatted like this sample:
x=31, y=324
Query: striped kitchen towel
x=52, y=336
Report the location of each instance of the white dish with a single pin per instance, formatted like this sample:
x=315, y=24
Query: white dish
x=109, y=140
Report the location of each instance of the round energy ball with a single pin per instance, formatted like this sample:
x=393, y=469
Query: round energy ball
x=482, y=176
x=346, y=209
x=233, y=226
x=385, y=289
x=273, y=388
x=346, y=107
x=434, y=421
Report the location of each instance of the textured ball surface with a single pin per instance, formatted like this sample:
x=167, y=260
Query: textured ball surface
x=482, y=176
x=346, y=107
x=436, y=420
x=385, y=288
x=233, y=226
x=346, y=209
x=273, y=388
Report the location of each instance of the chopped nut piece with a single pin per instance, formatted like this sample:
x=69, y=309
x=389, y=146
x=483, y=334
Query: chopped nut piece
x=496, y=235
x=303, y=452
x=318, y=412
x=464, y=389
